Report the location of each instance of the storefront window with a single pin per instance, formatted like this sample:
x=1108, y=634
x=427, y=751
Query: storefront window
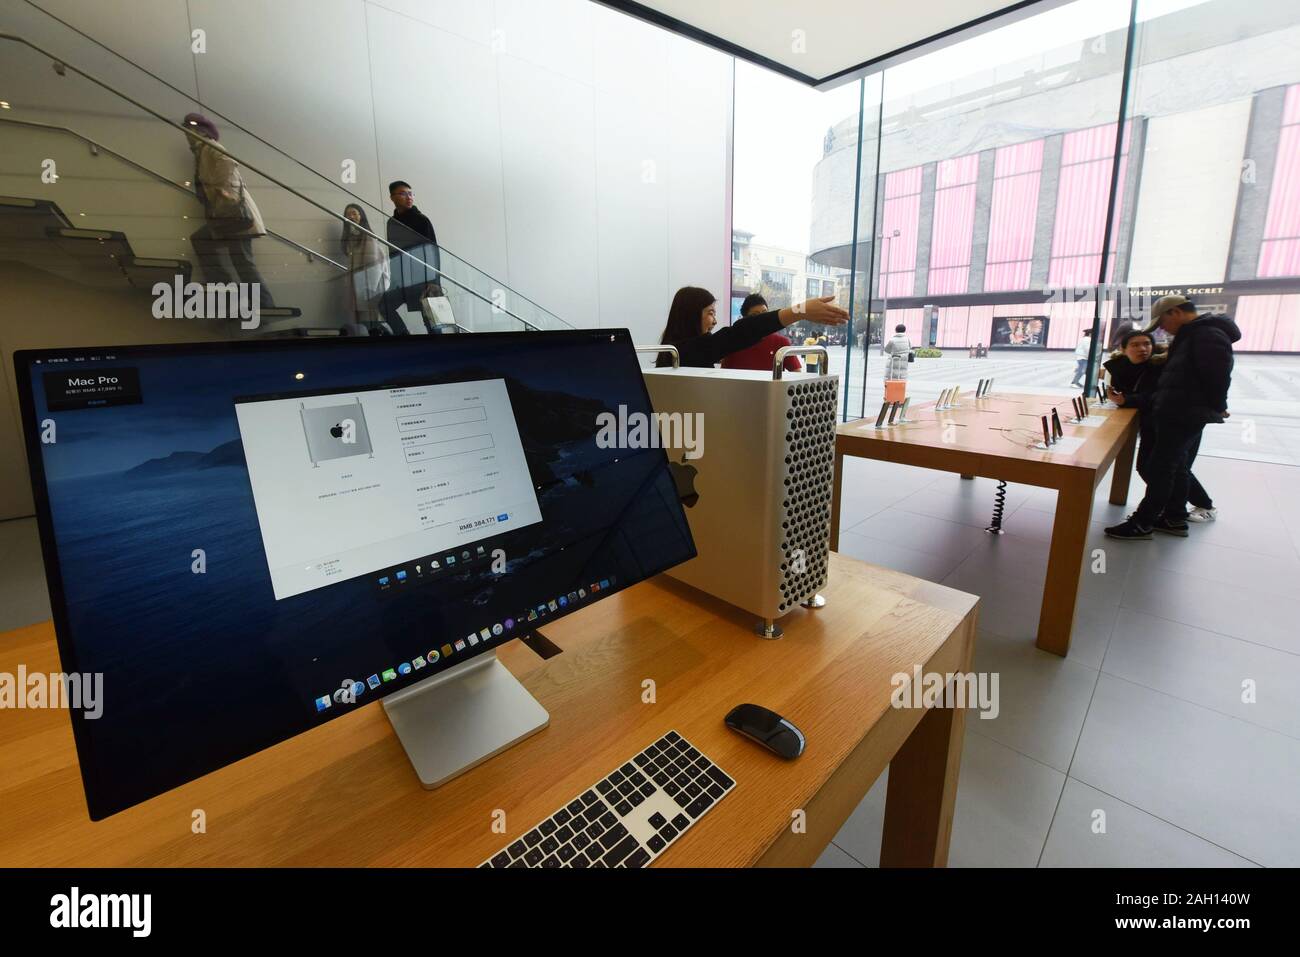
x=978, y=181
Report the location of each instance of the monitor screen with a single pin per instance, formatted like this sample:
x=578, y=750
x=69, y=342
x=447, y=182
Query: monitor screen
x=248, y=539
x=1019, y=332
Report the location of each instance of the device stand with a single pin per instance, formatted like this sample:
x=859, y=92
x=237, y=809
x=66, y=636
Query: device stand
x=768, y=628
x=451, y=722
x=816, y=601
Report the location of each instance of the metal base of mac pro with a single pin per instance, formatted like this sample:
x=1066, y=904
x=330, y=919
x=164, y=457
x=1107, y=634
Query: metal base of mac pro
x=451, y=722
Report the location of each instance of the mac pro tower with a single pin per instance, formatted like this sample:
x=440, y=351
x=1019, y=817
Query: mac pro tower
x=754, y=459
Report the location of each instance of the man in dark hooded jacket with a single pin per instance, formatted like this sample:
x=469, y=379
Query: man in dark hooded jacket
x=1193, y=392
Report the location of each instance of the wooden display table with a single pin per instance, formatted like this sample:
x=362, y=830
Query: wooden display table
x=345, y=793
x=990, y=436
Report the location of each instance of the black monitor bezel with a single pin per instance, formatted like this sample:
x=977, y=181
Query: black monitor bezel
x=64, y=640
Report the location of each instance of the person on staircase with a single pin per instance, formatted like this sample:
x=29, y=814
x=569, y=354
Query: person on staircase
x=233, y=220
x=368, y=273
x=417, y=261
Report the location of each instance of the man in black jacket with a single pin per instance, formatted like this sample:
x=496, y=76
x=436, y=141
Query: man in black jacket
x=417, y=275
x=1134, y=373
x=1193, y=391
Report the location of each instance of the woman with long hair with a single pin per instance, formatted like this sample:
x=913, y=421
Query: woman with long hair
x=694, y=313
x=368, y=269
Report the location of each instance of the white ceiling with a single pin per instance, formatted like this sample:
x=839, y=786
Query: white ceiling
x=819, y=40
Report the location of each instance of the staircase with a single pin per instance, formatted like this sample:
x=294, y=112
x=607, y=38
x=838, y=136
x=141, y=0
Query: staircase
x=37, y=232
x=94, y=195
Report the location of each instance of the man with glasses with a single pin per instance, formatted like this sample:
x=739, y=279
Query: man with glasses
x=415, y=276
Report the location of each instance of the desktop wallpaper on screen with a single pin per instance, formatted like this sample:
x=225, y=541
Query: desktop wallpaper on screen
x=249, y=540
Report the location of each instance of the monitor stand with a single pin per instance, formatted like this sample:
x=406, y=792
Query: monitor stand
x=452, y=721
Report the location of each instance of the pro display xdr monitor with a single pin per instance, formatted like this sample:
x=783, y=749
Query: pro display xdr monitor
x=248, y=539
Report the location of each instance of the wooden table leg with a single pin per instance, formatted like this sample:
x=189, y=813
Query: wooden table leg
x=1065, y=564
x=1123, y=469
x=835, y=500
x=922, y=789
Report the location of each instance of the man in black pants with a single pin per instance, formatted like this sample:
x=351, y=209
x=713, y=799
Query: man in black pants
x=417, y=275
x=1193, y=392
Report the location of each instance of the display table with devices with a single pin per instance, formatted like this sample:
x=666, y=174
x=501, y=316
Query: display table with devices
x=286, y=578
x=1001, y=436
x=657, y=657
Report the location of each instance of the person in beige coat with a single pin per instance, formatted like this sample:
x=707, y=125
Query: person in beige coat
x=369, y=274
x=233, y=219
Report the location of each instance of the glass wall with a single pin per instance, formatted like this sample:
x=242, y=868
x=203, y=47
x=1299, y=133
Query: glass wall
x=866, y=320
x=793, y=193
x=974, y=195
x=1214, y=108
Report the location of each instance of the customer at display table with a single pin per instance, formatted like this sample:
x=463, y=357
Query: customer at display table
x=1193, y=392
x=694, y=313
x=1134, y=373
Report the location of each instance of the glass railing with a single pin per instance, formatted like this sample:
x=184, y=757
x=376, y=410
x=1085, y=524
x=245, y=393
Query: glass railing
x=77, y=156
x=166, y=100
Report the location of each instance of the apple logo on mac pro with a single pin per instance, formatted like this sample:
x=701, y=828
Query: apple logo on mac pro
x=684, y=479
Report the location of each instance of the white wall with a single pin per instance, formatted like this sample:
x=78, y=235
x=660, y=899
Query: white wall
x=577, y=155
x=1188, y=196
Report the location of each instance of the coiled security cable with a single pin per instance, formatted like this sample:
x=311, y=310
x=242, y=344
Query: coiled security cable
x=999, y=504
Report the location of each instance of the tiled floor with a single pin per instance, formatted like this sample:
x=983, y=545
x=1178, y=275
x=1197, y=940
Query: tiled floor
x=1170, y=736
